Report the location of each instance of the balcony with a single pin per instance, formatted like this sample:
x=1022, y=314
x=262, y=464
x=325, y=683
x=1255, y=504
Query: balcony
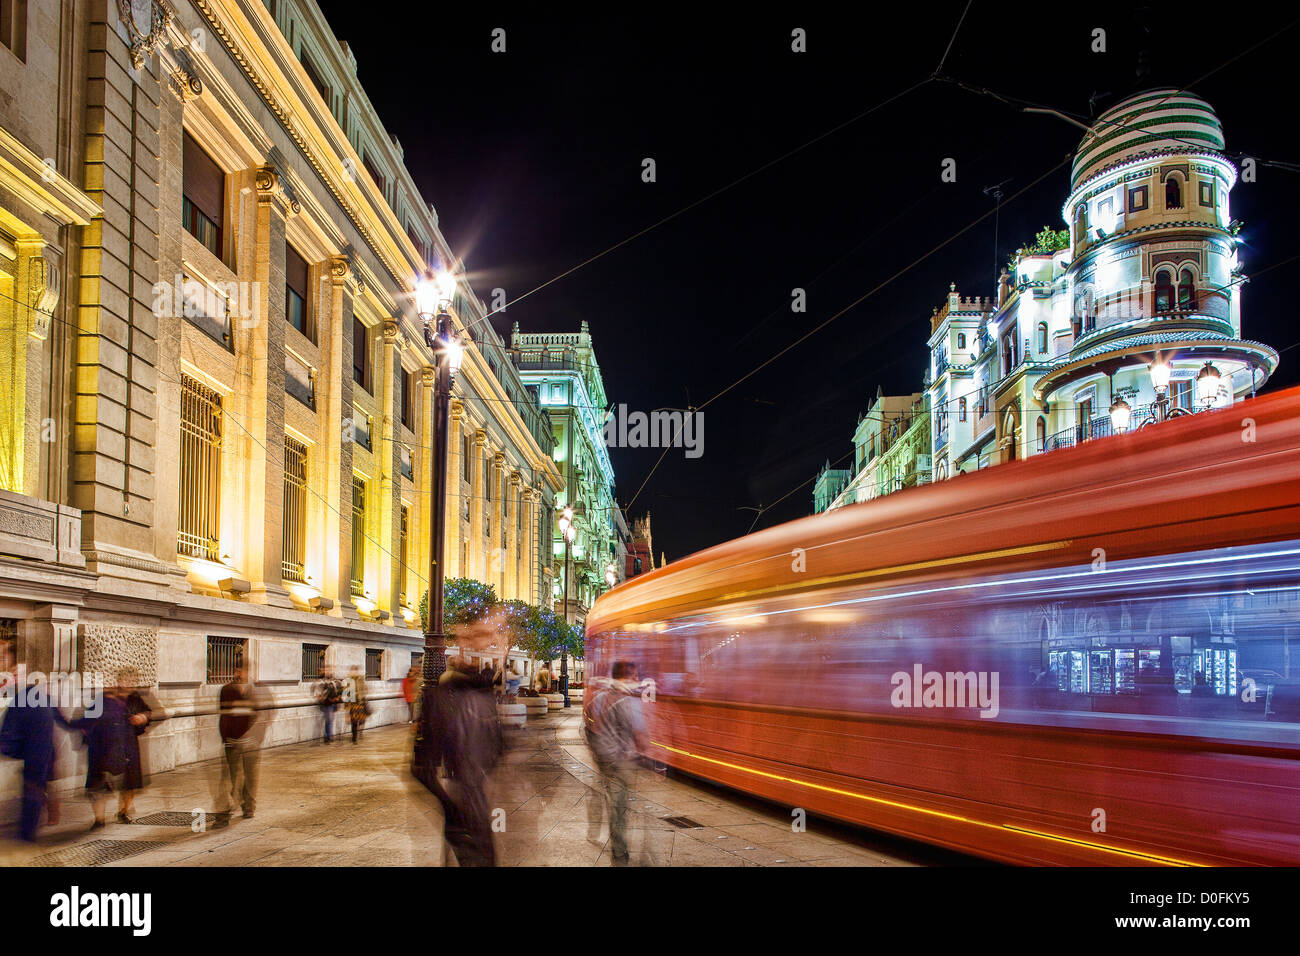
x=535, y=362
x=1102, y=427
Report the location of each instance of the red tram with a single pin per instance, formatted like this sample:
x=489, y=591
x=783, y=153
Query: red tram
x=1087, y=657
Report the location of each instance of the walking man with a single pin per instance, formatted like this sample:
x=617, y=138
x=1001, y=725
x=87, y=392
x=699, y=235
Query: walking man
x=617, y=736
x=241, y=742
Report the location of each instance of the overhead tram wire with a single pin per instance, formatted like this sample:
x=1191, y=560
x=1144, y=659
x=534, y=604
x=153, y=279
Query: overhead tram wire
x=703, y=199
x=1020, y=192
x=858, y=301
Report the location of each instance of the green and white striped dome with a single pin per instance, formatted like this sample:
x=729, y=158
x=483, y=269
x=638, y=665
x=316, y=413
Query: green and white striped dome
x=1149, y=122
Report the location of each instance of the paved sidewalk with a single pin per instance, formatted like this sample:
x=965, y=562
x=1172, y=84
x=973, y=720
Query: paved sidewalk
x=346, y=805
x=317, y=805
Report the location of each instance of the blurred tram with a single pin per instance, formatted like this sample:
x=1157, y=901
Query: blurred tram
x=1087, y=657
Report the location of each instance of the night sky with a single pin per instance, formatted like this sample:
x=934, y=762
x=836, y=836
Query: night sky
x=533, y=160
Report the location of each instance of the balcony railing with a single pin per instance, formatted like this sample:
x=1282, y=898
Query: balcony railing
x=1101, y=427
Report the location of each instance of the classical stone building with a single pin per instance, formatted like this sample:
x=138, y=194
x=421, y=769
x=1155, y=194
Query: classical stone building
x=215, y=442
x=561, y=370
x=891, y=451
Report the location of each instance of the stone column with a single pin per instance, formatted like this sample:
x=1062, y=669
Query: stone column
x=477, y=490
x=335, y=458
x=115, y=380
x=387, y=453
x=261, y=406
x=450, y=486
x=426, y=484
x=497, y=558
x=512, y=536
x=47, y=641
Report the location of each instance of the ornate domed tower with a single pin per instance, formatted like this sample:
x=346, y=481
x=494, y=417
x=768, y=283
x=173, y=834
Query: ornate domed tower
x=1154, y=286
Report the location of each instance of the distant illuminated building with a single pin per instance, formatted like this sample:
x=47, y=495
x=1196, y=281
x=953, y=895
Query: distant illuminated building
x=1129, y=317
x=561, y=372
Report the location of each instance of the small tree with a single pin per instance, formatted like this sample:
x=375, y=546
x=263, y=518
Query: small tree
x=464, y=601
x=543, y=635
x=576, y=642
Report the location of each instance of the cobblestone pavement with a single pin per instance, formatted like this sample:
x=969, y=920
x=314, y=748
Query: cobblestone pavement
x=346, y=805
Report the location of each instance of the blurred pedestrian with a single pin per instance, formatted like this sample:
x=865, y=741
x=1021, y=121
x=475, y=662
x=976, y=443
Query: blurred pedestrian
x=411, y=691
x=358, y=704
x=544, y=680
x=112, y=737
x=28, y=735
x=512, y=680
x=241, y=742
x=459, y=728
x=327, y=693
x=617, y=737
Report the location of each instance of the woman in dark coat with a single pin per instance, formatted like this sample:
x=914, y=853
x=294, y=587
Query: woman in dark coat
x=114, y=759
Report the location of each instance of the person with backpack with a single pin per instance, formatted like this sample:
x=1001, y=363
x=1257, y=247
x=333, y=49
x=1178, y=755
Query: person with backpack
x=328, y=694
x=617, y=736
x=460, y=730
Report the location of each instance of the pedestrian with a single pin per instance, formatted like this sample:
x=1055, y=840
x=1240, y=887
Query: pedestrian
x=544, y=680
x=327, y=692
x=617, y=737
x=112, y=737
x=28, y=735
x=241, y=741
x=358, y=705
x=459, y=728
x=512, y=681
x=411, y=691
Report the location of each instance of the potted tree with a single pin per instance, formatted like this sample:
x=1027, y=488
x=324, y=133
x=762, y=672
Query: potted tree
x=576, y=646
x=543, y=638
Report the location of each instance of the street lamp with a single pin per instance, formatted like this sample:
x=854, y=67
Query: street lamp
x=432, y=297
x=1120, y=414
x=1207, y=385
x=568, y=531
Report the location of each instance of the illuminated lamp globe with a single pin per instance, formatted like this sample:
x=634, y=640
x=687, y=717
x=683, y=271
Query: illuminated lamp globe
x=454, y=352
x=1120, y=414
x=1207, y=384
x=1160, y=376
x=427, y=297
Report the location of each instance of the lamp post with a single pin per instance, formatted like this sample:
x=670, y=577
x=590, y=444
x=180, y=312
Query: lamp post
x=432, y=298
x=568, y=532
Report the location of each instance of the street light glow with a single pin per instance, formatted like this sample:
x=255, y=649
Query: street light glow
x=1120, y=414
x=1159, y=376
x=1207, y=384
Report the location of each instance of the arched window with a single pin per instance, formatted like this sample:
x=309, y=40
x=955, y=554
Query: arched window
x=1186, y=291
x=1042, y=337
x=1173, y=193
x=961, y=409
x=1164, y=290
x=961, y=340
x=1009, y=434
x=1080, y=222
x=1041, y=430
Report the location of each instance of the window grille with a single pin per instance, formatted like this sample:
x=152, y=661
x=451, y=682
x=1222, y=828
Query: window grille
x=374, y=664
x=293, y=536
x=200, y=491
x=358, y=536
x=404, y=555
x=225, y=655
x=313, y=660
